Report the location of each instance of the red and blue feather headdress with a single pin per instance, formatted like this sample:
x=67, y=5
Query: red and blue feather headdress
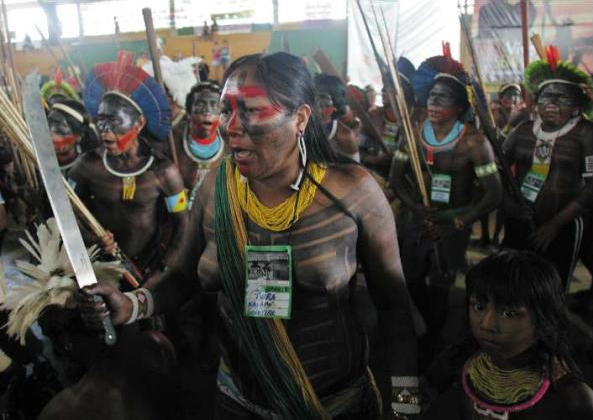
x=440, y=66
x=130, y=82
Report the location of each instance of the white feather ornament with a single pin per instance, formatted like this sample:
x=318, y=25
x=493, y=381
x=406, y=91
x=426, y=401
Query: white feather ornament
x=179, y=77
x=52, y=279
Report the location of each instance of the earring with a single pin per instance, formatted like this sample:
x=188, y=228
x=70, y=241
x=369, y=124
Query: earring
x=303, y=153
x=302, y=150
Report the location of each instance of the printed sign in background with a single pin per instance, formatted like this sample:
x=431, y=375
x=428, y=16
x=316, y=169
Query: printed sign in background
x=568, y=24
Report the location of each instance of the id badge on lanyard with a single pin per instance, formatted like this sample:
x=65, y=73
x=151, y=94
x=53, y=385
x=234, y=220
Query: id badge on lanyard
x=532, y=185
x=390, y=135
x=534, y=181
x=440, y=188
x=268, y=288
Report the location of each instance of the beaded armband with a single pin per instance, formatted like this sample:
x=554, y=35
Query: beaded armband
x=177, y=203
x=485, y=170
x=399, y=155
x=405, y=395
x=142, y=304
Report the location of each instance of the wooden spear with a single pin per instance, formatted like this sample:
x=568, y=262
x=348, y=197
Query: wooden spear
x=65, y=55
x=12, y=74
x=524, y=32
x=489, y=127
x=22, y=164
x=156, y=65
x=404, y=116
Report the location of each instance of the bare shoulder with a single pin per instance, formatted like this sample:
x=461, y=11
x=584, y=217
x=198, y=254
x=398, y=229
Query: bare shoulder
x=204, y=199
x=355, y=187
x=347, y=178
x=524, y=128
x=168, y=175
x=92, y=156
x=478, y=146
x=577, y=395
x=474, y=137
x=586, y=129
x=84, y=162
x=163, y=166
x=206, y=193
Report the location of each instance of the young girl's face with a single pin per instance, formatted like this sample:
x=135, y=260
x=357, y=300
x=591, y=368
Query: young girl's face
x=503, y=332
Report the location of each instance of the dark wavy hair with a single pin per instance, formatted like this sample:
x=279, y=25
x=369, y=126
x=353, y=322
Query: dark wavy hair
x=198, y=87
x=332, y=85
x=289, y=84
x=523, y=278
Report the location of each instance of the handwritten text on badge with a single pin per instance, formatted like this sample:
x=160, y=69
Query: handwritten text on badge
x=268, y=292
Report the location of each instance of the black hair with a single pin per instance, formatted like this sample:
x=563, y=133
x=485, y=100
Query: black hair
x=523, y=278
x=332, y=85
x=124, y=103
x=198, y=87
x=289, y=84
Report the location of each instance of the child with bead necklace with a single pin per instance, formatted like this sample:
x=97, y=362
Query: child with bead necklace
x=519, y=364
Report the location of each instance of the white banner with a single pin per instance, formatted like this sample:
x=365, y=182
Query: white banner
x=362, y=66
x=417, y=28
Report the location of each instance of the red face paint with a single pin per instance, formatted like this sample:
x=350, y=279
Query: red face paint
x=212, y=133
x=506, y=102
x=439, y=114
x=62, y=142
x=124, y=140
x=250, y=107
x=327, y=111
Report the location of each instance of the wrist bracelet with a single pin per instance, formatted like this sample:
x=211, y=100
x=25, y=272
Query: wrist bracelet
x=405, y=395
x=404, y=381
x=142, y=304
x=405, y=408
x=134, y=300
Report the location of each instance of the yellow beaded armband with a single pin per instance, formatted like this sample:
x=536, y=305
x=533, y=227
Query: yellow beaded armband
x=485, y=170
x=399, y=155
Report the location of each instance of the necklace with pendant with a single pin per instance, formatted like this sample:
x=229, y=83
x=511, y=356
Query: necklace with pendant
x=128, y=179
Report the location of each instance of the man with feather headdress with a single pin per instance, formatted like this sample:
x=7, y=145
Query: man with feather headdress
x=553, y=158
x=455, y=156
x=127, y=185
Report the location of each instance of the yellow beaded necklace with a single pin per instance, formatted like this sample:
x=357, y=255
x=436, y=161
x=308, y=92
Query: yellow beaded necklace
x=280, y=217
x=502, y=386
